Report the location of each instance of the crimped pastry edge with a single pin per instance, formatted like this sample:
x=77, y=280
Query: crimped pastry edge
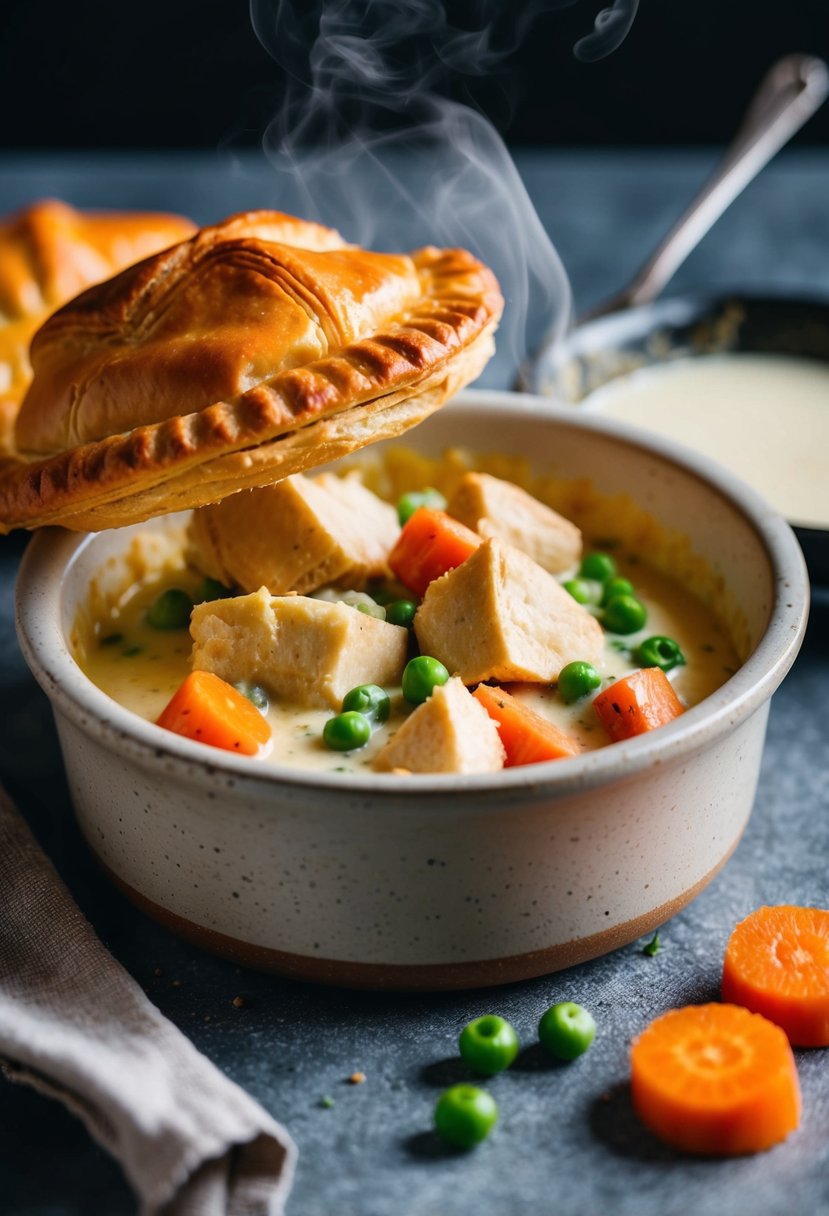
x=185, y=461
x=317, y=443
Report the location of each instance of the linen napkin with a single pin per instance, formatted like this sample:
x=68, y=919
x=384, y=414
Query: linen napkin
x=76, y=1026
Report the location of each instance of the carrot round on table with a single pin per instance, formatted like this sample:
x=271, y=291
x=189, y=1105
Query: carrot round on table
x=430, y=544
x=637, y=703
x=527, y=737
x=777, y=964
x=715, y=1079
x=209, y=710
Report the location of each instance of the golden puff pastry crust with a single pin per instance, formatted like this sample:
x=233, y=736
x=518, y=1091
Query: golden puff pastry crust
x=262, y=346
x=48, y=253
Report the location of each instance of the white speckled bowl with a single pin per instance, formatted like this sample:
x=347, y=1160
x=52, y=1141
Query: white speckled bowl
x=438, y=882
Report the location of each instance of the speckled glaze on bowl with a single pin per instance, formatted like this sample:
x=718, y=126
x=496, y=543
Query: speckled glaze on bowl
x=384, y=881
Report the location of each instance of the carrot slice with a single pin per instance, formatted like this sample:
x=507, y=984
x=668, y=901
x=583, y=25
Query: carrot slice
x=527, y=737
x=430, y=544
x=211, y=711
x=637, y=703
x=715, y=1079
x=777, y=964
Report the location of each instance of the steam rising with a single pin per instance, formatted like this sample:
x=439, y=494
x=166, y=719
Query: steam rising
x=366, y=141
x=611, y=27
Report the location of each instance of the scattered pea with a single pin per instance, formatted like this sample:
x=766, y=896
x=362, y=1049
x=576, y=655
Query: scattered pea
x=624, y=614
x=401, y=612
x=409, y=503
x=660, y=652
x=599, y=566
x=566, y=1030
x=576, y=680
x=421, y=676
x=465, y=1115
x=346, y=732
x=171, y=610
x=370, y=700
x=488, y=1044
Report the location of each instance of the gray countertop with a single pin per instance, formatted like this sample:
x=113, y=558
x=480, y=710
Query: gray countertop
x=568, y=1141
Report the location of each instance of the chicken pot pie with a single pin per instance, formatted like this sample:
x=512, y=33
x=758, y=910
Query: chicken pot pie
x=48, y=253
x=262, y=346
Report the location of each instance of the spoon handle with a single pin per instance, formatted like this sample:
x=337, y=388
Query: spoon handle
x=788, y=95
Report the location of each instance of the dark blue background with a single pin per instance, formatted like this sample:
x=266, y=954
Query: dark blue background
x=190, y=73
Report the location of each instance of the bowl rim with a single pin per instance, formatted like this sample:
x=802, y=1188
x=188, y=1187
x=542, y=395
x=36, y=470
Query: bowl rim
x=45, y=648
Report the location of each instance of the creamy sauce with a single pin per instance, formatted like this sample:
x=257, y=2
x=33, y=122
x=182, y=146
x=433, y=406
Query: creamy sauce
x=141, y=667
x=765, y=417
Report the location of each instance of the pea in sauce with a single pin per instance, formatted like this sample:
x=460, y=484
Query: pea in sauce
x=141, y=667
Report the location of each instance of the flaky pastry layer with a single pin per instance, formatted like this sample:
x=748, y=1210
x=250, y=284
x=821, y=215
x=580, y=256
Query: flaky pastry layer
x=48, y=253
x=442, y=305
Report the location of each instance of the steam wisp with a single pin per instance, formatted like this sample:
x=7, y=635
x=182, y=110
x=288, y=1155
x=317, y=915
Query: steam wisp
x=367, y=141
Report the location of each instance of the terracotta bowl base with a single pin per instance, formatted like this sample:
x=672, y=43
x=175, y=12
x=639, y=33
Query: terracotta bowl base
x=425, y=977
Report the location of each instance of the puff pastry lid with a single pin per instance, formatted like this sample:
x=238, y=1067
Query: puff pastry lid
x=261, y=346
x=48, y=253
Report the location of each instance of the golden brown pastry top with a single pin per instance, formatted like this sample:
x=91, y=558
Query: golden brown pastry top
x=203, y=322
x=48, y=253
x=261, y=346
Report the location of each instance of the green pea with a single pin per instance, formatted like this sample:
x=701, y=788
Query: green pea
x=488, y=1044
x=600, y=566
x=583, y=590
x=421, y=676
x=255, y=693
x=566, y=1030
x=616, y=586
x=346, y=732
x=111, y=639
x=576, y=680
x=368, y=699
x=465, y=1115
x=624, y=614
x=659, y=652
x=409, y=503
x=171, y=610
x=401, y=612
x=211, y=589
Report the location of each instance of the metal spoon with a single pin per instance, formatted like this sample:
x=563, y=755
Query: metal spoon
x=787, y=97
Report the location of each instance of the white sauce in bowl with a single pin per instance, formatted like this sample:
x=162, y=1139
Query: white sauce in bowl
x=765, y=417
x=141, y=667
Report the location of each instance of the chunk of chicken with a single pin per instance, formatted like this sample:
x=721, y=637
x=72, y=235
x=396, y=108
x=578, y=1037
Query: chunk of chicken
x=500, y=616
x=306, y=651
x=295, y=535
x=448, y=733
x=493, y=507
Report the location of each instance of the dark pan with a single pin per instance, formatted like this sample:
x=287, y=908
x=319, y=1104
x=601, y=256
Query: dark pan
x=701, y=324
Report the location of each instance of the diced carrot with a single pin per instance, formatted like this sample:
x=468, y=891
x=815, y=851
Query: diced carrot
x=777, y=964
x=527, y=737
x=430, y=544
x=715, y=1079
x=211, y=711
x=637, y=703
